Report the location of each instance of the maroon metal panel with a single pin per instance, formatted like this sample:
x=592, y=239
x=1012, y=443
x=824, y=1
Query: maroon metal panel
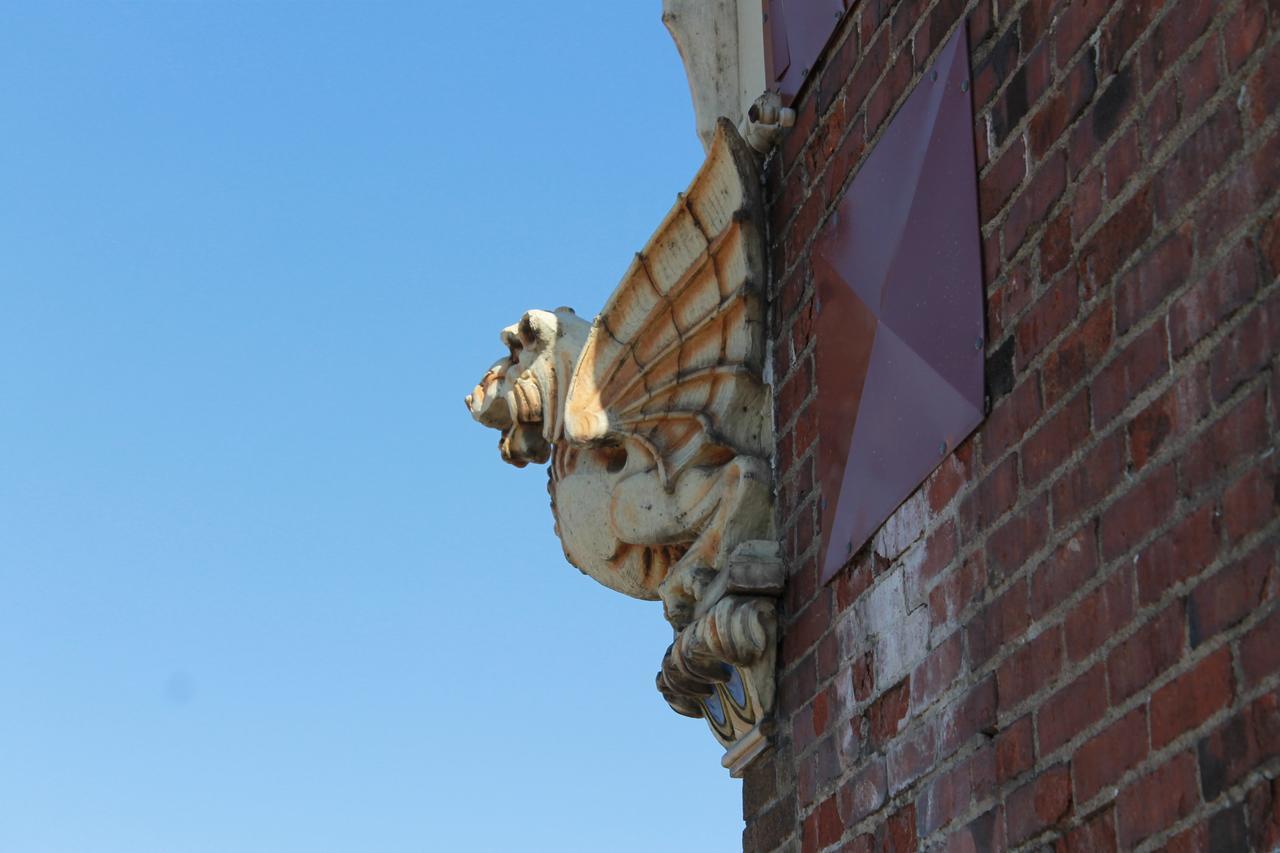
x=899, y=329
x=796, y=31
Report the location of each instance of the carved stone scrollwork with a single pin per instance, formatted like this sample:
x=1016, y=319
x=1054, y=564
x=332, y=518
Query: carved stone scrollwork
x=655, y=419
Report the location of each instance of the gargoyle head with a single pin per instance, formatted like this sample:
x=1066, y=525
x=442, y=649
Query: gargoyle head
x=523, y=394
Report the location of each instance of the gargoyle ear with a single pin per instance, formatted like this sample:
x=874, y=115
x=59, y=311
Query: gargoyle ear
x=529, y=328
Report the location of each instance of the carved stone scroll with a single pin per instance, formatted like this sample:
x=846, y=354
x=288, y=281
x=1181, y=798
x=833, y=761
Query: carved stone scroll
x=655, y=419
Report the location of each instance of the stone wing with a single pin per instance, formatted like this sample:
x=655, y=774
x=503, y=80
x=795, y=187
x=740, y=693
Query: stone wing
x=674, y=360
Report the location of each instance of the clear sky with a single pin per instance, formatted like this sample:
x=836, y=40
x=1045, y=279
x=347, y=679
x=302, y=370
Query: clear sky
x=264, y=585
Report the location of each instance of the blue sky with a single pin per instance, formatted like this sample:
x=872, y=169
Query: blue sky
x=264, y=586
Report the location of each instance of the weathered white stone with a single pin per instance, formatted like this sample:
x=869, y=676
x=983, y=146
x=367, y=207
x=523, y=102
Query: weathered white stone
x=901, y=647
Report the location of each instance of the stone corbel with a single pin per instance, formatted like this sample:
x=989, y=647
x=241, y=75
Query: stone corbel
x=655, y=419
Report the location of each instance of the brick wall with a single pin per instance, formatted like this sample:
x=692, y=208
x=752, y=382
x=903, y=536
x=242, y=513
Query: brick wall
x=1069, y=635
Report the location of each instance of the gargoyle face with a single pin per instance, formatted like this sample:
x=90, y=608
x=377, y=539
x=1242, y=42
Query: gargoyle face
x=520, y=394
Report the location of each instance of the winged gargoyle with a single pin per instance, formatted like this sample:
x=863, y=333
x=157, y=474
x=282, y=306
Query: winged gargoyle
x=655, y=418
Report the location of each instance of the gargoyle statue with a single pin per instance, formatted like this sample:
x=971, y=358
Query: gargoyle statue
x=655, y=419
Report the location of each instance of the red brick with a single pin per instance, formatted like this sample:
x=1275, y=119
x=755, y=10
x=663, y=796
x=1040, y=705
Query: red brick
x=1082, y=486
x=972, y=713
x=1157, y=275
x=1100, y=615
x=1155, y=647
x=1224, y=830
x=1211, y=300
x=983, y=833
x=1041, y=803
x=1108, y=755
x=1115, y=241
x=1138, y=365
x=1135, y=515
x=1186, y=21
x=1264, y=87
x=1012, y=416
x=1197, y=160
x=829, y=827
x=947, y=480
x=1157, y=800
x=850, y=583
x=1087, y=203
x=1077, y=20
x=1052, y=313
x=998, y=184
x=1076, y=90
x=1240, y=745
x=1243, y=33
x=1012, y=544
x=1161, y=116
x=1240, y=433
x=1055, y=245
x=1260, y=650
x=892, y=86
x=1191, y=698
x=808, y=626
x=1182, y=553
x=1246, y=350
x=992, y=497
x=1072, y=709
x=898, y=833
x=888, y=712
x=1123, y=29
x=1064, y=571
x=957, y=590
x=937, y=671
x=1033, y=666
x=1056, y=441
x=1082, y=348
x=1250, y=503
x=910, y=756
x=864, y=792
x=1034, y=202
x=1015, y=750
x=1123, y=161
x=1232, y=594
x=1096, y=835
x=1264, y=815
x=1199, y=79
x=1170, y=416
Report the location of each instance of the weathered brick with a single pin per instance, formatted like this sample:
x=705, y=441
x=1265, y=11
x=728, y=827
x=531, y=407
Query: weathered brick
x=1260, y=650
x=1232, y=594
x=1064, y=571
x=1228, y=441
x=1244, y=741
x=1196, y=160
x=1182, y=553
x=1072, y=709
x=864, y=792
x=1139, y=364
x=911, y=755
x=1055, y=442
x=1245, y=351
x=1155, y=647
x=1155, y=801
x=1033, y=666
x=1170, y=416
x=1096, y=835
x=1108, y=755
x=1082, y=486
x=1041, y=803
x=1100, y=615
x=1230, y=285
x=1117, y=239
x=1157, y=275
x=1015, y=750
x=1076, y=90
x=1012, y=544
x=1051, y=314
x=887, y=713
x=938, y=671
x=1077, y=354
x=1191, y=698
x=1135, y=515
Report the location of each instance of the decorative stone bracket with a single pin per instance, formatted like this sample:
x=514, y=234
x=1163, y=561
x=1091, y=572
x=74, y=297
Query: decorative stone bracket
x=656, y=421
